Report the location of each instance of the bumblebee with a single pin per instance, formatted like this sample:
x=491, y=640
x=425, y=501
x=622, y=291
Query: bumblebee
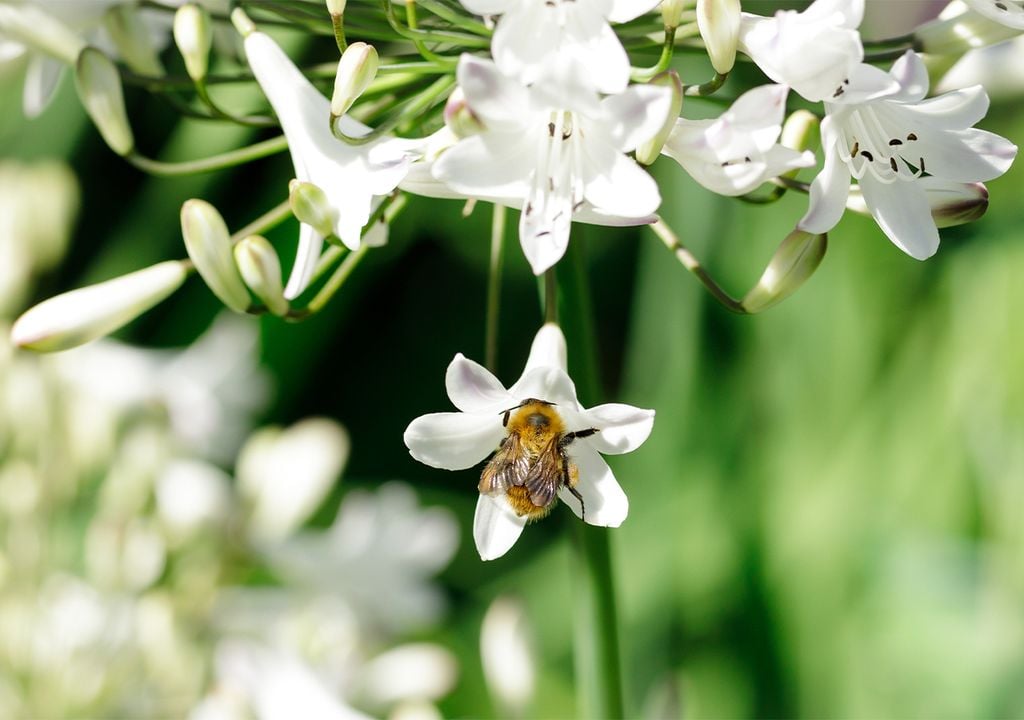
x=531, y=463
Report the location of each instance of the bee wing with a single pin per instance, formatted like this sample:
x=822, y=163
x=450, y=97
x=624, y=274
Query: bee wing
x=507, y=467
x=546, y=475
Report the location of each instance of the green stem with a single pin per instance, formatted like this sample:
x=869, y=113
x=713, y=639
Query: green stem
x=218, y=112
x=494, y=287
x=550, y=296
x=333, y=285
x=667, y=49
x=596, y=634
x=338, y=23
x=708, y=88
x=414, y=108
x=215, y=162
x=267, y=221
x=691, y=263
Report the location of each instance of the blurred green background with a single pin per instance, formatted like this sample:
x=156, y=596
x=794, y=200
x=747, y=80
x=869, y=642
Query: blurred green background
x=827, y=519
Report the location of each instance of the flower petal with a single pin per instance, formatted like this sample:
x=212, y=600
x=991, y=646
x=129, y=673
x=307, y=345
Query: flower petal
x=496, y=527
x=902, y=210
x=626, y=10
x=616, y=185
x=912, y=75
x=473, y=389
x=605, y=502
x=41, y=79
x=549, y=384
x=488, y=7
x=489, y=165
x=306, y=257
x=491, y=95
x=636, y=115
x=623, y=428
x=453, y=441
x=829, y=190
x=548, y=349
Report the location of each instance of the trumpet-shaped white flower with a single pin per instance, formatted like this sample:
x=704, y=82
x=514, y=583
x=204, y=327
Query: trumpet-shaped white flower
x=534, y=35
x=460, y=440
x=812, y=51
x=351, y=176
x=889, y=143
x=554, y=150
x=737, y=152
x=1004, y=12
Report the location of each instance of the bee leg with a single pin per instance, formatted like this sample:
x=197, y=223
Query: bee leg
x=569, y=437
x=576, y=494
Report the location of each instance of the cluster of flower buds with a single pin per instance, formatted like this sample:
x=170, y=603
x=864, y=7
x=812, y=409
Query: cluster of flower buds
x=536, y=105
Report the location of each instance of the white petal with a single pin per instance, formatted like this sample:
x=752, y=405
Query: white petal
x=626, y=10
x=496, y=99
x=606, y=503
x=617, y=185
x=623, y=428
x=965, y=155
x=950, y=111
x=1007, y=13
x=473, y=389
x=41, y=78
x=524, y=40
x=866, y=83
x=829, y=190
x=840, y=13
x=902, y=210
x=549, y=384
x=488, y=7
x=496, y=527
x=306, y=257
x=453, y=441
x=636, y=115
x=548, y=349
x=491, y=164
x=910, y=72
x=545, y=238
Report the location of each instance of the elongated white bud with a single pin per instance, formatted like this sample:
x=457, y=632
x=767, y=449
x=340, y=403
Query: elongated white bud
x=133, y=39
x=194, y=37
x=99, y=88
x=719, y=25
x=311, y=206
x=672, y=12
x=336, y=7
x=242, y=22
x=795, y=260
x=209, y=246
x=81, y=315
x=356, y=70
x=648, y=152
x=261, y=269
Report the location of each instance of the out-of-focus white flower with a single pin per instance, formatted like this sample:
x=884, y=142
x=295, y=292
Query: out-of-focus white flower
x=554, y=154
x=1004, y=12
x=889, y=143
x=995, y=67
x=507, y=655
x=191, y=495
x=737, y=152
x=535, y=35
x=958, y=29
x=351, y=176
x=284, y=475
x=420, y=671
x=460, y=440
x=812, y=51
x=382, y=549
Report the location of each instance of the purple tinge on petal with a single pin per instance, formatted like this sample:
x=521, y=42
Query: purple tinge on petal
x=473, y=389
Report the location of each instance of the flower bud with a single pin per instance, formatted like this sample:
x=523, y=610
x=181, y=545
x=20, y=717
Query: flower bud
x=194, y=38
x=311, y=206
x=459, y=118
x=261, y=269
x=99, y=88
x=672, y=12
x=801, y=131
x=81, y=315
x=29, y=25
x=648, y=152
x=719, y=25
x=955, y=33
x=952, y=203
x=133, y=39
x=242, y=22
x=336, y=7
x=506, y=649
x=209, y=246
x=795, y=260
x=356, y=70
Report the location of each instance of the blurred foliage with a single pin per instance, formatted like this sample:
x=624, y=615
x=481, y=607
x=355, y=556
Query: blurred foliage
x=826, y=521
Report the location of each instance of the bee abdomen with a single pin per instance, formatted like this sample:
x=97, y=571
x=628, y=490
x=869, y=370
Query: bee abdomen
x=519, y=500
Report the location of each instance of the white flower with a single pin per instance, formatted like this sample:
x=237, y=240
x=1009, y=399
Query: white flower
x=351, y=176
x=553, y=149
x=460, y=440
x=737, y=152
x=811, y=51
x=1004, y=12
x=889, y=143
x=535, y=35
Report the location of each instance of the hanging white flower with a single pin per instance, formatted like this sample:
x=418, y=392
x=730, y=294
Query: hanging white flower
x=351, y=176
x=889, y=143
x=1004, y=12
x=738, y=151
x=543, y=402
x=555, y=150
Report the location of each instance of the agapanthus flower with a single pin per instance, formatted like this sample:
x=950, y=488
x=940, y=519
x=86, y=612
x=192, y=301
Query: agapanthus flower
x=889, y=143
x=351, y=176
x=1004, y=12
x=555, y=150
x=534, y=35
x=460, y=440
x=736, y=152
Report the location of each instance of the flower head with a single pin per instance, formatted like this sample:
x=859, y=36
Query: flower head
x=492, y=418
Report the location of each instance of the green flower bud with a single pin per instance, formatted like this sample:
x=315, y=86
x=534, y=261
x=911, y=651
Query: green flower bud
x=459, y=118
x=261, y=269
x=801, y=131
x=99, y=88
x=649, y=151
x=81, y=315
x=242, y=22
x=133, y=40
x=672, y=12
x=356, y=70
x=795, y=260
x=194, y=38
x=310, y=206
x=719, y=25
x=209, y=246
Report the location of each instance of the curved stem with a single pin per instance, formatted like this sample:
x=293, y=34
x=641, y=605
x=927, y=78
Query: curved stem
x=214, y=162
x=413, y=108
x=217, y=111
x=708, y=88
x=268, y=220
x=667, y=49
x=691, y=263
x=494, y=287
